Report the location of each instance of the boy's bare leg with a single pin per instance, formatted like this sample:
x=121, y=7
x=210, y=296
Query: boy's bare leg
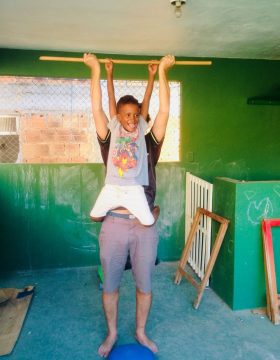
x=110, y=306
x=143, y=305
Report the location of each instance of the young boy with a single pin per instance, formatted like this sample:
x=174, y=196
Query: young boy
x=127, y=170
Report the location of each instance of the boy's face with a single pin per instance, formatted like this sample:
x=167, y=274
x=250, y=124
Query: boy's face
x=128, y=116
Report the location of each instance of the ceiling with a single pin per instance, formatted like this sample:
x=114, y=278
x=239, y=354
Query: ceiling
x=207, y=28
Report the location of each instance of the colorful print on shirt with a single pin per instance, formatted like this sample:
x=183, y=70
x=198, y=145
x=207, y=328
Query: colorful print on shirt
x=124, y=154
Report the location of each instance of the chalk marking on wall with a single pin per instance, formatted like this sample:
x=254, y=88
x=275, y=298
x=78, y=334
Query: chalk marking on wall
x=249, y=194
x=276, y=189
x=172, y=206
x=230, y=246
x=85, y=248
x=67, y=187
x=237, y=169
x=44, y=188
x=14, y=179
x=215, y=164
x=257, y=212
x=29, y=182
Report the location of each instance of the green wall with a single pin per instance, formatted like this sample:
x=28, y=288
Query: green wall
x=220, y=136
x=238, y=275
x=227, y=136
x=44, y=214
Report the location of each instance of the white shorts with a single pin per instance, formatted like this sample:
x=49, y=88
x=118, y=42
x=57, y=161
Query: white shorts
x=131, y=197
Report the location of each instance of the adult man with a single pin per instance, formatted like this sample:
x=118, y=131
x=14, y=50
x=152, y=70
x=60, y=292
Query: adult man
x=121, y=233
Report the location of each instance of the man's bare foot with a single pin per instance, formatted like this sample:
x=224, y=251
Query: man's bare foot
x=106, y=346
x=145, y=341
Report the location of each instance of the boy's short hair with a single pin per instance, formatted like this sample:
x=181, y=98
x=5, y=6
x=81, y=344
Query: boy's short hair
x=127, y=99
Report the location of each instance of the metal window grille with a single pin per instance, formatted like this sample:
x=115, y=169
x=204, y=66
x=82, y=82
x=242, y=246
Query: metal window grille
x=8, y=125
x=9, y=139
x=55, y=122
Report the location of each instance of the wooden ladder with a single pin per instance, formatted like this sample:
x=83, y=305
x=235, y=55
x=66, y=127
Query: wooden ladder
x=200, y=286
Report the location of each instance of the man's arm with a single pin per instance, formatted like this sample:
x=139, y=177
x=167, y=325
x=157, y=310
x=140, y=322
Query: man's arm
x=152, y=68
x=160, y=123
x=99, y=116
x=109, y=66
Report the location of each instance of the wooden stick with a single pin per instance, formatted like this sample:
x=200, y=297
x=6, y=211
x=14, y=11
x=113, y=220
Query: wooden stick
x=125, y=61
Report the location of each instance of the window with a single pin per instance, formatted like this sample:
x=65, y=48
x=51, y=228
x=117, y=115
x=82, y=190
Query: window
x=54, y=120
x=9, y=139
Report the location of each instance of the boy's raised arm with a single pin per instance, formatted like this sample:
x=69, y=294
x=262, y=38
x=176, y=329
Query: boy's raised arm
x=99, y=116
x=160, y=123
x=152, y=68
x=109, y=67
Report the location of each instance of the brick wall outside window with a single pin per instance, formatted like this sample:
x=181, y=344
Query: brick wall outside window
x=55, y=119
x=57, y=138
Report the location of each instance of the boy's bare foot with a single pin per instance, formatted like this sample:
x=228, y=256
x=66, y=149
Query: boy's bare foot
x=97, y=219
x=145, y=341
x=107, y=345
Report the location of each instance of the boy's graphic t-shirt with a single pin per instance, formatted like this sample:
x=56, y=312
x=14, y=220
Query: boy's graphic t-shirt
x=127, y=161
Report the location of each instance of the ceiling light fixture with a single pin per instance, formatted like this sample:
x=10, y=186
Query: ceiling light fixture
x=178, y=6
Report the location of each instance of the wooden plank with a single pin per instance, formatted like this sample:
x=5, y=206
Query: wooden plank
x=259, y=311
x=214, y=253
x=187, y=248
x=189, y=278
x=270, y=274
x=12, y=315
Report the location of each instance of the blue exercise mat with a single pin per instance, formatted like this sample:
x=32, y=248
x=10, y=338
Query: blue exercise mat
x=131, y=352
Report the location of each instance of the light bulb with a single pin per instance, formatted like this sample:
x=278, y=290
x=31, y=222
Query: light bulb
x=178, y=11
x=178, y=6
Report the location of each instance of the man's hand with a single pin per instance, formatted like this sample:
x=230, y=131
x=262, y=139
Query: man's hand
x=161, y=119
x=92, y=62
x=166, y=62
